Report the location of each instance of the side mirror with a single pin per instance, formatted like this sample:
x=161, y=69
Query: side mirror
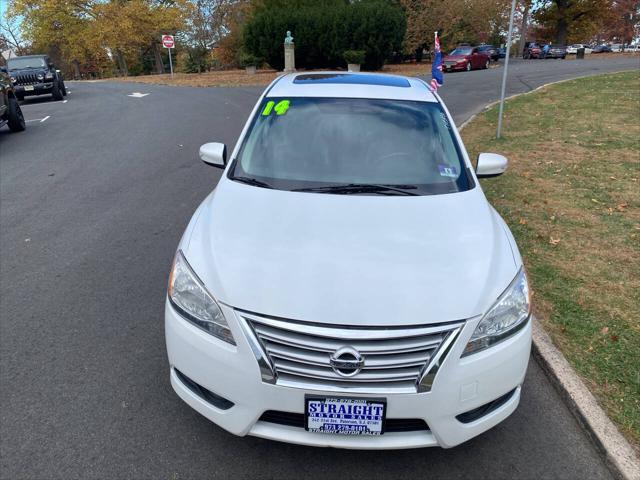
x=214, y=154
x=490, y=165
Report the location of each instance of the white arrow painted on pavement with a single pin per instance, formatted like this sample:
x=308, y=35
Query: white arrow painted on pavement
x=137, y=95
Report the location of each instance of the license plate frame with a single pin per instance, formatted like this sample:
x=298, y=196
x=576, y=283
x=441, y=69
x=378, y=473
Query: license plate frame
x=360, y=427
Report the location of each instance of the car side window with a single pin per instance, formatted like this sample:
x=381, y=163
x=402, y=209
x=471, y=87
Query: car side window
x=474, y=51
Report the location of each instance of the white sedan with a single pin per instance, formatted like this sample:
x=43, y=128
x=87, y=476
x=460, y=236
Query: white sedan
x=347, y=283
x=573, y=49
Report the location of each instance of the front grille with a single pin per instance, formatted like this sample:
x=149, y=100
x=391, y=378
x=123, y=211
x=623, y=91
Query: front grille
x=395, y=359
x=390, y=425
x=27, y=79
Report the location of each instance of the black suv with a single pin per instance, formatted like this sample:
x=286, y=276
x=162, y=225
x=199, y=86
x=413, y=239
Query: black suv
x=35, y=75
x=10, y=112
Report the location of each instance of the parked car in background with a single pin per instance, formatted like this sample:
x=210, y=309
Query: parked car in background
x=531, y=50
x=10, y=112
x=490, y=50
x=573, y=49
x=556, y=51
x=632, y=48
x=602, y=49
x=616, y=47
x=36, y=75
x=502, y=52
x=465, y=58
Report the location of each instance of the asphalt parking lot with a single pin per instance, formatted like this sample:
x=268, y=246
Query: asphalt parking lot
x=93, y=199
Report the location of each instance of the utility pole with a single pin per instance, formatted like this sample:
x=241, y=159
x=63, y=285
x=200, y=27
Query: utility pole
x=506, y=68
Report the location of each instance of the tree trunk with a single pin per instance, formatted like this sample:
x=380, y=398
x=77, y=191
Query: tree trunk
x=76, y=69
x=525, y=27
x=561, y=31
x=561, y=22
x=157, y=56
x=122, y=63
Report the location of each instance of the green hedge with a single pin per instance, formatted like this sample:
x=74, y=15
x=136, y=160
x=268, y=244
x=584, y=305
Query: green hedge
x=324, y=30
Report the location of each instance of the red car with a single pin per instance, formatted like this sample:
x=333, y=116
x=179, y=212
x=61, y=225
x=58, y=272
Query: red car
x=531, y=50
x=465, y=58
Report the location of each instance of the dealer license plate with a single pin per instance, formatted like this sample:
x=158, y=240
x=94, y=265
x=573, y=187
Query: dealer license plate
x=28, y=88
x=345, y=416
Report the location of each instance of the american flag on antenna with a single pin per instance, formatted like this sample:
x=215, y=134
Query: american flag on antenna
x=437, y=79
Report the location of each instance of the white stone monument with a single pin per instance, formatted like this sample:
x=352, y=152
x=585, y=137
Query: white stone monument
x=289, y=54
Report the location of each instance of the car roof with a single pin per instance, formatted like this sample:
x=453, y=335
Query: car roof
x=351, y=85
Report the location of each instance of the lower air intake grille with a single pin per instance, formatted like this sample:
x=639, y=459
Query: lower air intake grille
x=216, y=400
x=481, y=411
x=391, y=424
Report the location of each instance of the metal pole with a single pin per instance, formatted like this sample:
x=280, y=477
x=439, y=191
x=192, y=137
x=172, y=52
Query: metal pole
x=171, y=64
x=506, y=67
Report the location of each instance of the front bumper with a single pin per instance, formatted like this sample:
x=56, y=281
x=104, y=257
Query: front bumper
x=461, y=385
x=36, y=89
x=458, y=67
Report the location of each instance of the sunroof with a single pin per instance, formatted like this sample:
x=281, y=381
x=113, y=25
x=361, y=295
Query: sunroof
x=354, y=79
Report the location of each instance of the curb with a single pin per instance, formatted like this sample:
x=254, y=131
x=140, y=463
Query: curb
x=618, y=454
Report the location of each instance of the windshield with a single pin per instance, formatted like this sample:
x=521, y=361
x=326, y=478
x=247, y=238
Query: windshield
x=461, y=51
x=305, y=143
x=19, y=63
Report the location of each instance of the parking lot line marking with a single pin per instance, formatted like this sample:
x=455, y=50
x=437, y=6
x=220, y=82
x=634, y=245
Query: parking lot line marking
x=45, y=118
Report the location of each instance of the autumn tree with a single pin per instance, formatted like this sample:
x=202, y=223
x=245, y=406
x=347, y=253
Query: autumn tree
x=212, y=24
x=622, y=21
x=10, y=38
x=94, y=32
x=456, y=20
x=571, y=20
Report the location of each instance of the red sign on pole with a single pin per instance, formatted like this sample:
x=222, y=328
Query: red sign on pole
x=167, y=41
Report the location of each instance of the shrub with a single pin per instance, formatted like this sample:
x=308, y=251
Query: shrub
x=354, y=56
x=249, y=60
x=324, y=29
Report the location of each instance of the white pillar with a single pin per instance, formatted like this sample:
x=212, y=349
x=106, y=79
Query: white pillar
x=289, y=58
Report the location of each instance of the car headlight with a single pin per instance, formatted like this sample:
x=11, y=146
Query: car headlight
x=190, y=298
x=507, y=316
x=13, y=79
x=48, y=76
x=40, y=76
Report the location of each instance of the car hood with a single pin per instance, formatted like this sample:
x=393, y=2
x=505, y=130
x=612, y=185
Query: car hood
x=350, y=259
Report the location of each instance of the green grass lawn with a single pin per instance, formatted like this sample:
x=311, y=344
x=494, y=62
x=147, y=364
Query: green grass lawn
x=571, y=197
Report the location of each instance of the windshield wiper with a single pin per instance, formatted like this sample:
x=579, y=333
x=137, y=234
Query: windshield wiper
x=352, y=188
x=252, y=181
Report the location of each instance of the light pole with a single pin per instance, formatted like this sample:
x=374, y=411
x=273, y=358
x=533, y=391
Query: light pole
x=506, y=68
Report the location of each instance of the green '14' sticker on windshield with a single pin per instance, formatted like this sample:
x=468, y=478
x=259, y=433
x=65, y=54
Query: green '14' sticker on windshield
x=280, y=108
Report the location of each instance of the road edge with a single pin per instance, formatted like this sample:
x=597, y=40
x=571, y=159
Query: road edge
x=616, y=451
